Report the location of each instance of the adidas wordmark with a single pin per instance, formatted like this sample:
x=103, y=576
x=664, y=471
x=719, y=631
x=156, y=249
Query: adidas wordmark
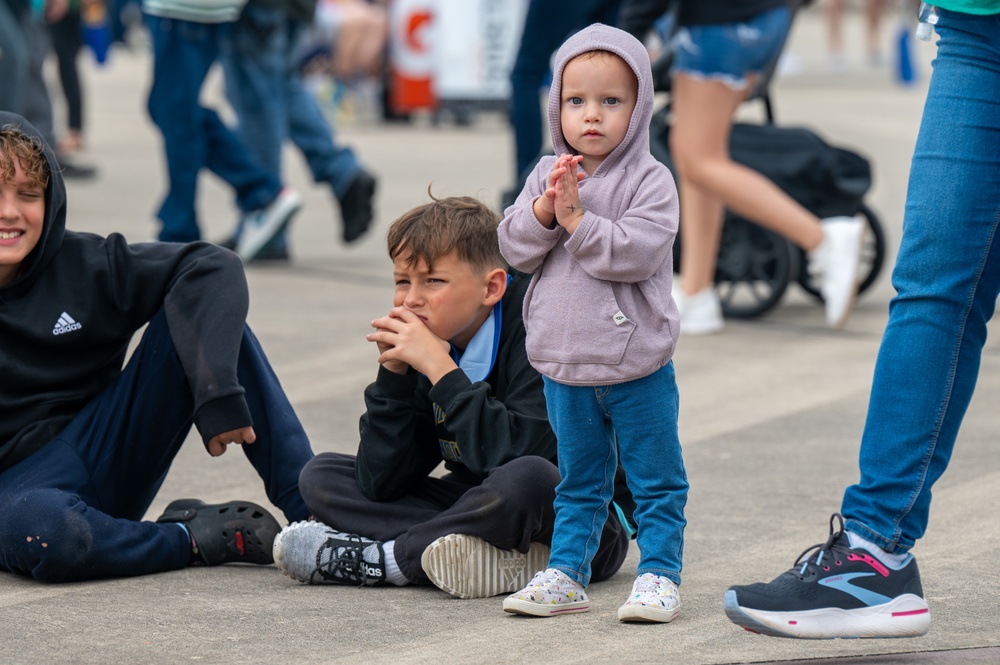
x=65, y=324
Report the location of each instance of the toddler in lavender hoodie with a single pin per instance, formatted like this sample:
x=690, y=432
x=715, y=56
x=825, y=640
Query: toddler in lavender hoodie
x=595, y=226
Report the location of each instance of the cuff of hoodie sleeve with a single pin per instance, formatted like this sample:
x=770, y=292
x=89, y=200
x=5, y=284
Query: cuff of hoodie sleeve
x=222, y=415
x=450, y=386
x=577, y=237
x=398, y=386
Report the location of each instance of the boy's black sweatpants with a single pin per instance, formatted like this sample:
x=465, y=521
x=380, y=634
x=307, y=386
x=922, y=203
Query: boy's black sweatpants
x=510, y=509
x=71, y=510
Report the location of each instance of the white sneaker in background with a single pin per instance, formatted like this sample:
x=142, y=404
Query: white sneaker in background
x=835, y=264
x=261, y=226
x=701, y=313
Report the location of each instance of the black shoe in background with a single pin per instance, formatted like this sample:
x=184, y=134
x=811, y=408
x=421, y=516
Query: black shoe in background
x=357, y=206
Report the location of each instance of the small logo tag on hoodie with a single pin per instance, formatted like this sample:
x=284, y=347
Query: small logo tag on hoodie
x=65, y=324
x=619, y=318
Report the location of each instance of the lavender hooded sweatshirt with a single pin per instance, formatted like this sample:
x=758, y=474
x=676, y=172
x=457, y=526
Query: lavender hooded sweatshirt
x=598, y=310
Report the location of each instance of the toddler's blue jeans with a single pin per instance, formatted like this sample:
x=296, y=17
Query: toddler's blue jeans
x=595, y=426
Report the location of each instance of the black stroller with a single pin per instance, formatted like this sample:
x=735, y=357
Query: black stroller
x=755, y=266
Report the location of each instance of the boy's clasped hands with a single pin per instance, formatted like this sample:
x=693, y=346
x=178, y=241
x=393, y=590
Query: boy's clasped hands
x=404, y=341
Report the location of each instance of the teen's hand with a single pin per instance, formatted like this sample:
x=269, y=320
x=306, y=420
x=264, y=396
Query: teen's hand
x=404, y=341
x=217, y=444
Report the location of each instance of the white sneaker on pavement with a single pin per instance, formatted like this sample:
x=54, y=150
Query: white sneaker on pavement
x=653, y=599
x=549, y=593
x=835, y=264
x=701, y=313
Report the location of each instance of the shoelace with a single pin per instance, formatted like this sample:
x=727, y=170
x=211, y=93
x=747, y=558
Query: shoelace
x=345, y=561
x=833, y=543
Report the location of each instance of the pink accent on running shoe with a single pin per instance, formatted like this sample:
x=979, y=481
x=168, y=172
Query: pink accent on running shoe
x=910, y=613
x=793, y=623
x=871, y=561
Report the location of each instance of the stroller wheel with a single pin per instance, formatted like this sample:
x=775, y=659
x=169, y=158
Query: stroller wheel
x=753, y=270
x=872, y=257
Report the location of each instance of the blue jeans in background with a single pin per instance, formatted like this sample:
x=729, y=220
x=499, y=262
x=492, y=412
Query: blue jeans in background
x=194, y=136
x=947, y=278
x=272, y=104
x=727, y=52
x=84, y=493
x=635, y=421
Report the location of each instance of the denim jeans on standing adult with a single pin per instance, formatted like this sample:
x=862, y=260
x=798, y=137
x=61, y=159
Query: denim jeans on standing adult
x=266, y=90
x=947, y=278
x=635, y=421
x=194, y=136
x=71, y=510
x=272, y=104
x=547, y=25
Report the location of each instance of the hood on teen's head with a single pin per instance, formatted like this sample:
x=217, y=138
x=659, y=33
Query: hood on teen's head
x=55, y=212
x=600, y=37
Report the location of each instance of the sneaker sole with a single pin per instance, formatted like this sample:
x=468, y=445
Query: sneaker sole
x=526, y=607
x=702, y=328
x=469, y=567
x=904, y=616
x=646, y=614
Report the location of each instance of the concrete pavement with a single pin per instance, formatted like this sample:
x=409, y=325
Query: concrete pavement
x=771, y=415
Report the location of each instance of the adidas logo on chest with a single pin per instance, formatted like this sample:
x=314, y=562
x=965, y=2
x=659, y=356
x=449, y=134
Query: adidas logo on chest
x=65, y=324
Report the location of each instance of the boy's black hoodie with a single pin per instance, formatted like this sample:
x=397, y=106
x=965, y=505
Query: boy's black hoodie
x=66, y=321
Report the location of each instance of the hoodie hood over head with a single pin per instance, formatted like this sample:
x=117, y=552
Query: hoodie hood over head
x=600, y=37
x=54, y=225
x=68, y=317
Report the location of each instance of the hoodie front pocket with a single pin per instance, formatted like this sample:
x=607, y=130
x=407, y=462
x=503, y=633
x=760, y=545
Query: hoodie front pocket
x=576, y=321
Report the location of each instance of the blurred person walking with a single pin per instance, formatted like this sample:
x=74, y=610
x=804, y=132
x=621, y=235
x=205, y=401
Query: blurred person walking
x=873, y=9
x=265, y=87
x=186, y=39
x=722, y=47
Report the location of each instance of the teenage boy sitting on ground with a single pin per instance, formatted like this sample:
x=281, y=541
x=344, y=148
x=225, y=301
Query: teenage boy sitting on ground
x=454, y=385
x=84, y=443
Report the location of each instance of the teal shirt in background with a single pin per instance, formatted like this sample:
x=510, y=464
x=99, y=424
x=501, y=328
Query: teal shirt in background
x=970, y=6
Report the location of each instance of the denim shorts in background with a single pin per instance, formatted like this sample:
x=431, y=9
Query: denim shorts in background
x=727, y=52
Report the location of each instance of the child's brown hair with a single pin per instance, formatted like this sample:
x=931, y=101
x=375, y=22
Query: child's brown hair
x=459, y=223
x=16, y=147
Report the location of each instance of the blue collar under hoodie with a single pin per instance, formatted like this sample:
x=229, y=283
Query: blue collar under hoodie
x=598, y=310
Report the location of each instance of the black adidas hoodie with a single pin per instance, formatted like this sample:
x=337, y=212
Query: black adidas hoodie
x=67, y=319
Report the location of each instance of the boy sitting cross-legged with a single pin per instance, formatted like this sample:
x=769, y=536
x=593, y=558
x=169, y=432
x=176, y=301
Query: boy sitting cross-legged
x=453, y=386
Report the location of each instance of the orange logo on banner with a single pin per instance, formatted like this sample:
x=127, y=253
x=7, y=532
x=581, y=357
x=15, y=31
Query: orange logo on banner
x=411, y=61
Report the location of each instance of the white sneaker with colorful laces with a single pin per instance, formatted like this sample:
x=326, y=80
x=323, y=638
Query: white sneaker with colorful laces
x=653, y=599
x=548, y=594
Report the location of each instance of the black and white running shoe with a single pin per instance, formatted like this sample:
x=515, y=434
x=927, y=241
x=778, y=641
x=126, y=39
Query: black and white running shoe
x=834, y=590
